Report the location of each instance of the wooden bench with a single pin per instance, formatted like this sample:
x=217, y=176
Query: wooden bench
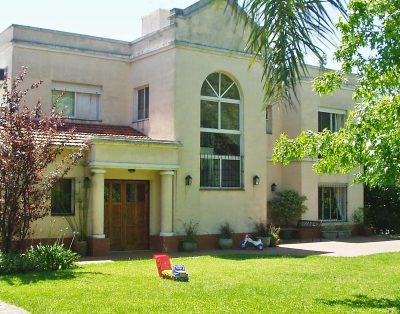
x=309, y=229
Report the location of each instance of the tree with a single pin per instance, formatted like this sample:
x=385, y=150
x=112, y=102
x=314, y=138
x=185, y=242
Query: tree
x=281, y=33
x=370, y=140
x=30, y=141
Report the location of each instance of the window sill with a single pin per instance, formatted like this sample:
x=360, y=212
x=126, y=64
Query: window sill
x=221, y=189
x=62, y=215
x=141, y=120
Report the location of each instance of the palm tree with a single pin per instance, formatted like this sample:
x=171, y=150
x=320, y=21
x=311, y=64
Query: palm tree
x=281, y=32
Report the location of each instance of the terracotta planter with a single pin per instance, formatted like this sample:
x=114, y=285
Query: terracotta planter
x=189, y=246
x=225, y=243
x=80, y=247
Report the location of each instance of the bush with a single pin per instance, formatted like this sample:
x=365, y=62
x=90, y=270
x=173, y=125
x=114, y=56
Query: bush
x=382, y=208
x=38, y=258
x=226, y=231
x=287, y=207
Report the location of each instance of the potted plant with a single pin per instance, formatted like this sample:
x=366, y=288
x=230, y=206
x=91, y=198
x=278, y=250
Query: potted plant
x=78, y=222
x=344, y=230
x=225, y=241
x=189, y=243
x=263, y=233
x=329, y=231
x=274, y=232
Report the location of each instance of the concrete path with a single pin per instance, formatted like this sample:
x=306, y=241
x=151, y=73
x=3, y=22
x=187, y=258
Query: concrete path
x=11, y=309
x=355, y=246
x=347, y=248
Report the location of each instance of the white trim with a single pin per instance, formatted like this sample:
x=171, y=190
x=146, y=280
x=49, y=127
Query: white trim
x=98, y=236
x=331, y=110
x=167, y=234
x=221, y=131
x=131, y=165
x=76, y=87
x=167, y=173
x=97, y=171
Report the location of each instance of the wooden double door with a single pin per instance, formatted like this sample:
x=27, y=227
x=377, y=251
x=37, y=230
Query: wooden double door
x=126, y=214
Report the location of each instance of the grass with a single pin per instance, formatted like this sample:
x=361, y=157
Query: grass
x=218, y=284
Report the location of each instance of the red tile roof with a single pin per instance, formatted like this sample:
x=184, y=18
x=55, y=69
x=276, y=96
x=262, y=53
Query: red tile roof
x=102, y=129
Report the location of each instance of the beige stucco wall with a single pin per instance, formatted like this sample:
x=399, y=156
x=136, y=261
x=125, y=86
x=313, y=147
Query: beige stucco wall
x=212, y=207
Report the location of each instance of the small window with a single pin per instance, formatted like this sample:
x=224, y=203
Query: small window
x=268, y=119
x=143, y=103
x=332, y=202
x=84, y=106
x=333, y=121
x=62, y=198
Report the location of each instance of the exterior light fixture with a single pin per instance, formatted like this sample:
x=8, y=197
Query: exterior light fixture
x=256, y=180
x=131, y=170
x=188, y=180
x=273, y=187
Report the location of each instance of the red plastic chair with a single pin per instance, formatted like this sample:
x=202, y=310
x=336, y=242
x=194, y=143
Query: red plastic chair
x=163, y=262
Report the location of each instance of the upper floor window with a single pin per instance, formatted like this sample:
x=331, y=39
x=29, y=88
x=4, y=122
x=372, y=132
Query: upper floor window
x=331, y=119
x=78, y=102
x=143, y=95
x=62, y=198
x=268, y=119
x=332, y=202
x=220, y=136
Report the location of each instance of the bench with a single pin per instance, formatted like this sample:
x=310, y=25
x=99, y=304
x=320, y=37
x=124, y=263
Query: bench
x=309, y=229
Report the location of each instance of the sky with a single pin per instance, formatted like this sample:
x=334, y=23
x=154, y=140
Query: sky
x=115, y=19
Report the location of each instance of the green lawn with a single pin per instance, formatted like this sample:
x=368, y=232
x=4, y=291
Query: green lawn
x=220, y=284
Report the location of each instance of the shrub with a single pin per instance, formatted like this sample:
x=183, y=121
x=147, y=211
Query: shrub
x=262, y=230
x=37, y=258
x=286, y=207
x=191, y=231
x=225, y=231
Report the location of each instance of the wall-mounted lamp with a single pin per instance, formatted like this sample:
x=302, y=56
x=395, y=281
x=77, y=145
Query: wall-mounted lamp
x=188, y=180
x=256, y=180
x=273, y=187
x=131, y=170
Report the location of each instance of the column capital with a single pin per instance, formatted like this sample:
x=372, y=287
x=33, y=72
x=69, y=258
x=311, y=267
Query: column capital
x=95, y=170
x=167, y=173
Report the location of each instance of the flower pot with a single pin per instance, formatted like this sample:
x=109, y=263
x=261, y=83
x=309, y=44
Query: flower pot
x=330, y=235
x=189, y=246
x=225, y=243
x=344, y=234
x=80, y=247
x=265, y=240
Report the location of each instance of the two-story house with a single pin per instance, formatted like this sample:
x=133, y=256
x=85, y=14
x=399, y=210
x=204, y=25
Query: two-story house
x=175, y=128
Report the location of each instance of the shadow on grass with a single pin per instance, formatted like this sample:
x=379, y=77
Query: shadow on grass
x=365, y=302
x=34, y=277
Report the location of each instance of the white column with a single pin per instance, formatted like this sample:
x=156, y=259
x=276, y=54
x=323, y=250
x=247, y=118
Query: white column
x=166, y=202
x=97, y=203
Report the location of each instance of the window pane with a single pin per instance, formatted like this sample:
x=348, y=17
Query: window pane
x=227, y=89
x=230, y=173
x=332, y=202
x=130, y=192
x=62, y=197
x=66, y=102
x=219, y=144
x=338, y=121
x=229, y=116
x=213, y=80
x=209, y=114
x=116, y=192
x=87, y=106
x=209, y=172
x=268, y=119
x=147, y=99
x=324, y=121
x=141, y=104
x=141, y=191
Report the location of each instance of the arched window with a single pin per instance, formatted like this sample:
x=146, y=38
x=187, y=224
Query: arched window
x=220, y=133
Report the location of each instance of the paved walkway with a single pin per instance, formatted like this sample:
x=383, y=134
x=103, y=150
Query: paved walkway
x=11, y=309
x=355, y=246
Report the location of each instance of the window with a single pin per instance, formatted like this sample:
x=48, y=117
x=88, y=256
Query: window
x=62, y=198
x=220, y=136
x=332, y=202
x=332, y=120
x=78, y=102
x=143, y=103
x=268, y=119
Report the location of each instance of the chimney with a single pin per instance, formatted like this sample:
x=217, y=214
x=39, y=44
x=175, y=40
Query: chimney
x=155, y=21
